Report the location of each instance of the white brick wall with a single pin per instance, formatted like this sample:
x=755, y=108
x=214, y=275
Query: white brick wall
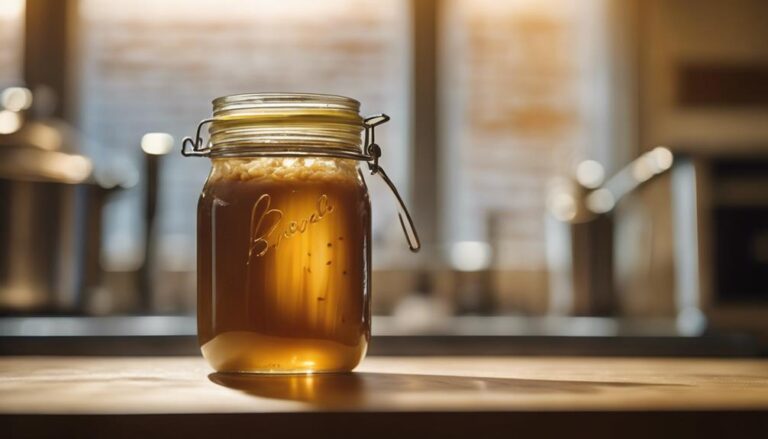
x=518, y=112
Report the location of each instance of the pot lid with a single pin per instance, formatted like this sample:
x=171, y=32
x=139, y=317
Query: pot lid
x=46, y=149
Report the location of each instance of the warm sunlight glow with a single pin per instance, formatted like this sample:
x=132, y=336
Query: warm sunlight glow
x=16, y=98
x=471, y=255
x=10, y=122
x=590, y=174
x=157, y=143
x=10, y=9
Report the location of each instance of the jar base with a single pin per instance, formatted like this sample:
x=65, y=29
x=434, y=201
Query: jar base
x=244, y=352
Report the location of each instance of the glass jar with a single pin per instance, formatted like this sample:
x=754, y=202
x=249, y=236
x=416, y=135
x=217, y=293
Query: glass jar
x=284, y=233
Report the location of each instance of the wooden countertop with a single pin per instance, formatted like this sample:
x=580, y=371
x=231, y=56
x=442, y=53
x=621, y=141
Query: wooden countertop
x=449, y=395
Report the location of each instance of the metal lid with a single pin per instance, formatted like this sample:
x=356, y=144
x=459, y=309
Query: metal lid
x=286, y=120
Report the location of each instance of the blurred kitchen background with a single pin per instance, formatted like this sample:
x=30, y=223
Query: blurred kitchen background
x=595, y=168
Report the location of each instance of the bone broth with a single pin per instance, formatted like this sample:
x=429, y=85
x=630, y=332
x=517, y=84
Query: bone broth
x=282, y=265
x=283, y=232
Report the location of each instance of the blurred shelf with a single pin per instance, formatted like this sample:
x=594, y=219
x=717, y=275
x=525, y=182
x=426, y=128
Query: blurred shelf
x=174, y=325
x=465, y=335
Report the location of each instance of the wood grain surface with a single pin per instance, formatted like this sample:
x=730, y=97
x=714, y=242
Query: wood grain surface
x=78, y=385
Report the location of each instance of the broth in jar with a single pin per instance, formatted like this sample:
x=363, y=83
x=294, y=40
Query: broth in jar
x=284, y=232
x=283, y=275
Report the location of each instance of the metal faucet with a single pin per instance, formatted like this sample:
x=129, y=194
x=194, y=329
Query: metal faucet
x=580, y=232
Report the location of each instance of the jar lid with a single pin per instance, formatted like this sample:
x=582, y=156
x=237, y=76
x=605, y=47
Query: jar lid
x=286, y=120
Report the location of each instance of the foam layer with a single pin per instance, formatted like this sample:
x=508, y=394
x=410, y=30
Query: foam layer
x=283, y=169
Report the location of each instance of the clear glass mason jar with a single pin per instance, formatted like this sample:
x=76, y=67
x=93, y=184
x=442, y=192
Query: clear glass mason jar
x=284, y=233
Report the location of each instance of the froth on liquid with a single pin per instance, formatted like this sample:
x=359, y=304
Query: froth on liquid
x=282, y=265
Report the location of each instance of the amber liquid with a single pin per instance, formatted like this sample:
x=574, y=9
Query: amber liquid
x=283, y=267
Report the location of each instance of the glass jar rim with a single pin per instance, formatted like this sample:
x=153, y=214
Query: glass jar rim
x=268, y=102
x=285, y=120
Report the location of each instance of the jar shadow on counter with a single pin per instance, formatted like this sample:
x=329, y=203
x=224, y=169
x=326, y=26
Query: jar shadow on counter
x=349, y=389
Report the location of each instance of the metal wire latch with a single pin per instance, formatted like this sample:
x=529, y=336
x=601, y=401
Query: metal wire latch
x=373, y=151
x=195, y=148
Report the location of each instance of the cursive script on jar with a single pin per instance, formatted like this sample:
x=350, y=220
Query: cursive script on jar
x=265, y=222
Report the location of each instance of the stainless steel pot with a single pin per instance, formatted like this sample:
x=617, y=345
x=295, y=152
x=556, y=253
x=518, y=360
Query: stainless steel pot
x=50, y=219
x=49, y=233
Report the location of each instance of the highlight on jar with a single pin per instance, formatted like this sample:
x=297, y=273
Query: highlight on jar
x=284, y=233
